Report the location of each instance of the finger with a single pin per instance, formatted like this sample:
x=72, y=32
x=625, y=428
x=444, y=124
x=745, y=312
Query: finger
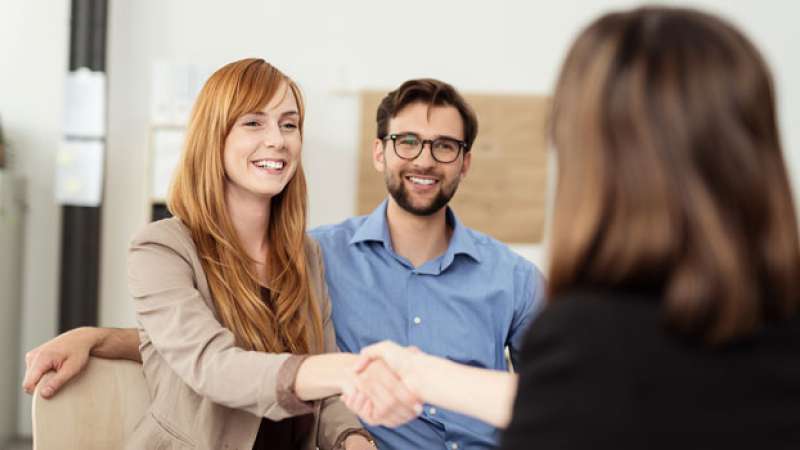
x=387, y=408
x=359, y=404
x=66, y=372
x=408, y=398
x=29, y=357
x=361, y=363
x=391, y=353
x=376, y=350
x=39, y=366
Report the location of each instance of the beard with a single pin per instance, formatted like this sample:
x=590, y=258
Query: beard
x=397, y=189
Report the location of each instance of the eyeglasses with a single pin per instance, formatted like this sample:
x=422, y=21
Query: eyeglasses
x=409, y=146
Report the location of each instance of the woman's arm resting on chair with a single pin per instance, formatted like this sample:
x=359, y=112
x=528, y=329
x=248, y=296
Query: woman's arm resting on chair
x=68, y=353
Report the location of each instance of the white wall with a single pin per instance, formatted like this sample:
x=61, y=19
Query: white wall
x=11, y=228
x=34, y=48
x=335, y=48
x=331, y=48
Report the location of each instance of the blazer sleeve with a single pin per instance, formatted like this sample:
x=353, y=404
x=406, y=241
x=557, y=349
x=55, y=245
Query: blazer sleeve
x=336, y=421
x=186, y=334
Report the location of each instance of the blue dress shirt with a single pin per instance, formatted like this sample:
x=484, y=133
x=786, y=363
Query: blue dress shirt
x=466, y=305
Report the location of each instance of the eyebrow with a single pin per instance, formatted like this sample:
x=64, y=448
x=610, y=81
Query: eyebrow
x=399, y=133
x=262, y=114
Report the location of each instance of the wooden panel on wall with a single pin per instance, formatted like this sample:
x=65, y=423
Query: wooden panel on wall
x=504, y=194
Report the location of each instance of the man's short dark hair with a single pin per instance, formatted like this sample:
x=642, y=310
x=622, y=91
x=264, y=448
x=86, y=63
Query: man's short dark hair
x=432, y=92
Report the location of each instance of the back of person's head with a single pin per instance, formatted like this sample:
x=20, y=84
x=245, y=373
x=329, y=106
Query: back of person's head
x=197, y=197
x=431, y=92
x=671, y=176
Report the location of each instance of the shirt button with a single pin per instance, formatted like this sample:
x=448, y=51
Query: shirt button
x=417, y=320
x=432, y=411
x=454, y=446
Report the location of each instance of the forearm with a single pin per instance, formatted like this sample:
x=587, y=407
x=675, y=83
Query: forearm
x=323, y=375
x=114, y=343
x=485, y=394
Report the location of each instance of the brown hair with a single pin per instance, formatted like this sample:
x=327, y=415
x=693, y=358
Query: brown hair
x=432, y=92
x=197, y=197
x=670, y=172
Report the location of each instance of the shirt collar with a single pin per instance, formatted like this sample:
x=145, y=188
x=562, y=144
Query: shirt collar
x=376, y=229
x=461, y=243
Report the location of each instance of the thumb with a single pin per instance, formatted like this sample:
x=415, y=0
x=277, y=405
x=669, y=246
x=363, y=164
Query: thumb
x=362, y=362
x=66, y=372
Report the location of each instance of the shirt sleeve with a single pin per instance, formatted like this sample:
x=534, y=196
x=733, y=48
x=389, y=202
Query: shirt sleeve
x=529, y=290
x=186, y=334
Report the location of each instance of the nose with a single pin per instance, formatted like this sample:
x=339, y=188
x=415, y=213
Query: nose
x=425, y=158
x=273, y=138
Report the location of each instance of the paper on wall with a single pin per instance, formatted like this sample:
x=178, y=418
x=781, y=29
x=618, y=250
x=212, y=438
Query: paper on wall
x=85, y=104
x=79, y=173
x=167, y=145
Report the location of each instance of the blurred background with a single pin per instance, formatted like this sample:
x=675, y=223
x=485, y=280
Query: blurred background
x=94, y=95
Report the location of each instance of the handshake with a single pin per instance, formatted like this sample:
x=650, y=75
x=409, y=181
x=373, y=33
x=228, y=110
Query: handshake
x=386, y=384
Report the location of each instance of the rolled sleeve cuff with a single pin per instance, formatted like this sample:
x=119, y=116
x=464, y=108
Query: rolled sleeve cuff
x=287, y=399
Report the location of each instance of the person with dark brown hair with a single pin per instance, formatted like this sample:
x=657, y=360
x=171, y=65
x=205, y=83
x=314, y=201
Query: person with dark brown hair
x=672, y=318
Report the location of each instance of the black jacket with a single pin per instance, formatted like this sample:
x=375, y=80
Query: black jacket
x=600, y=371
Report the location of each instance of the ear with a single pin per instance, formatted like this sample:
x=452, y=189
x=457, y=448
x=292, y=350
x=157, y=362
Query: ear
x=466, y=164
x=379, y=155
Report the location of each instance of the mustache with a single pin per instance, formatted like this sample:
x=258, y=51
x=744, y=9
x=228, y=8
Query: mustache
x=427, y=172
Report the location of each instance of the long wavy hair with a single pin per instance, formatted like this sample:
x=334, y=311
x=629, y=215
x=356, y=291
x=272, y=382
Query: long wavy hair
x=291, y=320
x=671, y=175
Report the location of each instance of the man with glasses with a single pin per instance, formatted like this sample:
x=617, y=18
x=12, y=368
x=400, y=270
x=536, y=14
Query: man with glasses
x=410, y=272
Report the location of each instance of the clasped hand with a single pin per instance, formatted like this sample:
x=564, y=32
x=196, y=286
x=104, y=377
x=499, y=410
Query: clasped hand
x=381, y=390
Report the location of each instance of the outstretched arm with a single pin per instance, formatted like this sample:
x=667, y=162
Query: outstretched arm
x=484, y=394
x=68, y=353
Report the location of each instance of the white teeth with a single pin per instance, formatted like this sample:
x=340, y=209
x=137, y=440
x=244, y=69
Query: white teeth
x=425, y=181
x=270, y=164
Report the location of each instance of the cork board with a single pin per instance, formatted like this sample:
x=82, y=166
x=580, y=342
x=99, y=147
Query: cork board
x=503, y=194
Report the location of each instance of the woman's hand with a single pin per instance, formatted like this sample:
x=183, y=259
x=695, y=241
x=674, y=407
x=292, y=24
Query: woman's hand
x=402, y=360
x=379, y=396
x=66, y=354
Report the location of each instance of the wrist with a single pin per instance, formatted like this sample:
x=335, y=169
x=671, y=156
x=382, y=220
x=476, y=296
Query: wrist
x=415, y=374
x=92, y=337
x=324, y=375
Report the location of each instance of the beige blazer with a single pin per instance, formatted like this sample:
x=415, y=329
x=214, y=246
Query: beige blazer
x=206, y=392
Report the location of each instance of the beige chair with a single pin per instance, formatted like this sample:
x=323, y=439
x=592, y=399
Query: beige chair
x=96, y=410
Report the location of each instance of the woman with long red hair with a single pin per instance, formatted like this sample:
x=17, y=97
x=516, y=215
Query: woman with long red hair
x=230, y=293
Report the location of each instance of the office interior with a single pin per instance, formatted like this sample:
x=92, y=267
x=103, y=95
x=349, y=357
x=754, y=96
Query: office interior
x=158, y=53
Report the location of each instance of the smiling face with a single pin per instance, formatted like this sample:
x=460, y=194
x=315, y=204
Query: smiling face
x=422, y=186
x=262, y=149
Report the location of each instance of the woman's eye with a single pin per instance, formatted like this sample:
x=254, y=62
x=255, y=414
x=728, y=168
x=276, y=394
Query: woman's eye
x=252, y=123
x=289, y=126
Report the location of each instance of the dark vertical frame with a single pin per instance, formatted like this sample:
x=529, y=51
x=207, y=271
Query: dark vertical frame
x=81, y=226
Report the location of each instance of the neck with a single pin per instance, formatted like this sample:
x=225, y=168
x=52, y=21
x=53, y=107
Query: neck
x=250, y=217
x=419, y=239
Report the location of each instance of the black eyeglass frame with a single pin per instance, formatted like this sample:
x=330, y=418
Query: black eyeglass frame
x=462, y=146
